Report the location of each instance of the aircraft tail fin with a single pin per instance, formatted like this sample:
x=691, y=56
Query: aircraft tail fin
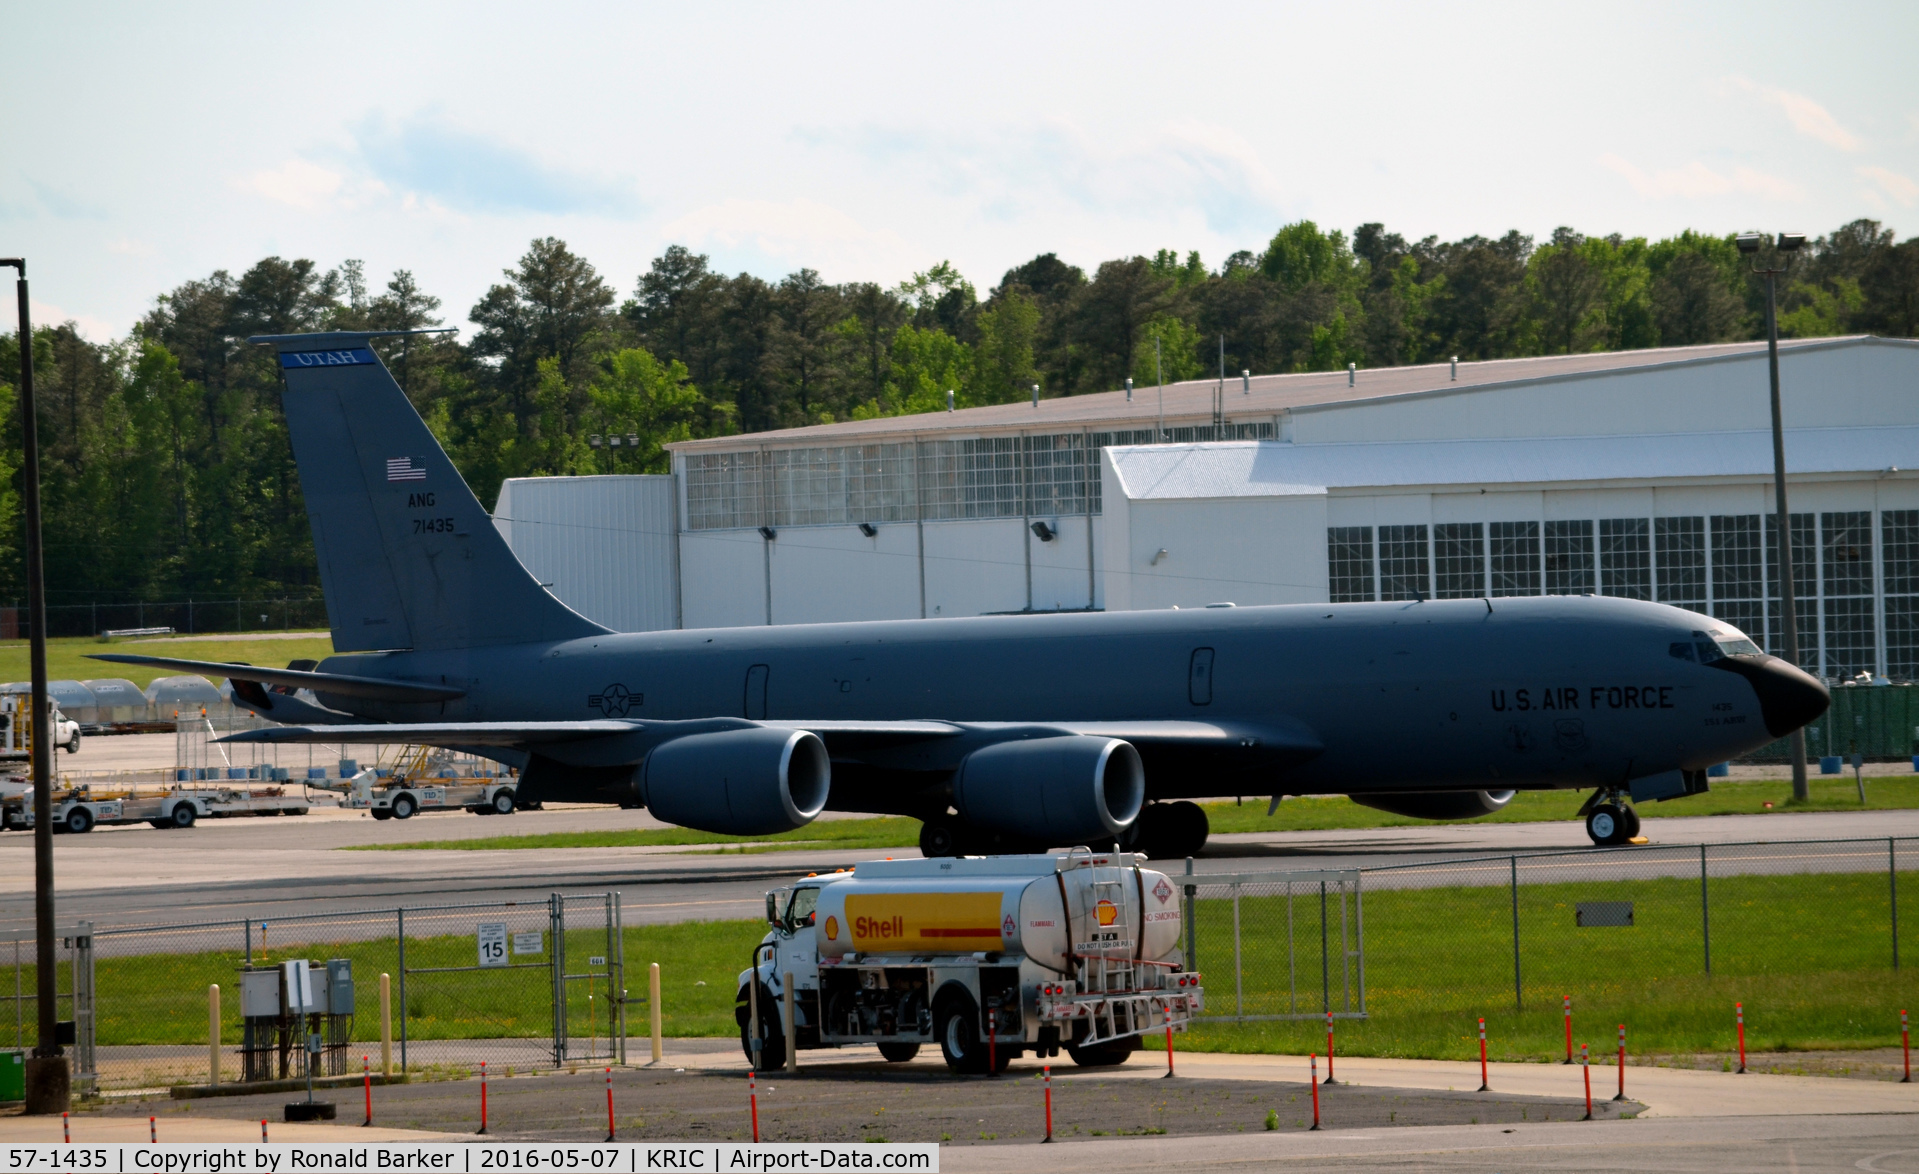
x=408, y=557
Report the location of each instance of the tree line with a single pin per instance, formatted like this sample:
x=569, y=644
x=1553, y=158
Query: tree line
x=167, y=473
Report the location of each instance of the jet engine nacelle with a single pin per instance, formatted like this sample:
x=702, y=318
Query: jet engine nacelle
x=1065, y=790
x=1437, y=804
x=738, y=782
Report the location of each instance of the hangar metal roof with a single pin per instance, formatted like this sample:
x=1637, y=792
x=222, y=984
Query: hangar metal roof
x=1261, y=468
x=1268, y=395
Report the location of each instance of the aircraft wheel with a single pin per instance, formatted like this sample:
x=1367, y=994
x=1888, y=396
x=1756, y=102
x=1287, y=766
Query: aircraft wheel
x=956, y=1025
x=1606, y=824
x=939, y=838
x=404, y=806
x=899, y=1053
x=1632, y=822
x=79, y=821
x=183, y=816
x=503, y=803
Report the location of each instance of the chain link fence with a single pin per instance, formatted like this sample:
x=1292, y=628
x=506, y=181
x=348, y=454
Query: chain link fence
x=1820, y=927
x=516, y=985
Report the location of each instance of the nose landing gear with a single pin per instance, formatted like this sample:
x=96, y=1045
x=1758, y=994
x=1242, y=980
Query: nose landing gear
x=1610, y=820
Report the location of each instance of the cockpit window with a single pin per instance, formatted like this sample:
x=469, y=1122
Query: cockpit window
x=1738, y=646
x=1712, y=646
x=1681, y=650
x=800, y=912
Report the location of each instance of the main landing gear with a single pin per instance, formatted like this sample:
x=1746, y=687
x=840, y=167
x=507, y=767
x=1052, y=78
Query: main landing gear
x=1610, y=819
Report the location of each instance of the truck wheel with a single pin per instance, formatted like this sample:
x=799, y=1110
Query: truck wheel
x=183, y=815
x=956, y=1025
x=379, y=813
x=772, y=1036
x=899, y=1053
x=502, y=803
x=73, y=743
x=404, y=806
x=1104, y=1055
x=79, y=821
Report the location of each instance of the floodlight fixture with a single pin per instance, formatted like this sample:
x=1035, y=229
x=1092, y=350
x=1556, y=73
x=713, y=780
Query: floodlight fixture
x=1749, y=242
x=869, y=529
x=1790, y=242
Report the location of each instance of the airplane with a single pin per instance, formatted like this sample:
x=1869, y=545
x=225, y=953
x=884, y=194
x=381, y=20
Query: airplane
x=999, y=733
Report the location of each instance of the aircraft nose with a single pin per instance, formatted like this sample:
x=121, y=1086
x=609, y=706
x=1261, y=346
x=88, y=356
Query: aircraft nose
x=1788, y=696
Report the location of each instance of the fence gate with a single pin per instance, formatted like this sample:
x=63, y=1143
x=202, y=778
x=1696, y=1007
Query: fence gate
x=1294, y=942
x=73, y=993
x=589, y=980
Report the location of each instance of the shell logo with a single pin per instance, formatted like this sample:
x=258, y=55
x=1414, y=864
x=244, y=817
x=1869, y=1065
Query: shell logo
x=1107, y=912
x=833, y=928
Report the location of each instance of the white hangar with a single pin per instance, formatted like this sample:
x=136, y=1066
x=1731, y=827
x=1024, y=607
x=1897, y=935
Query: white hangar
x=1644, y=474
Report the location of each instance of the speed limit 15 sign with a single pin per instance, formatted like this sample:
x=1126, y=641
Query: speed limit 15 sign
x=492, y=937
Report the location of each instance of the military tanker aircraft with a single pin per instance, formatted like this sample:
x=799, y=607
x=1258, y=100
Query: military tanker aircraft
x=998, y=732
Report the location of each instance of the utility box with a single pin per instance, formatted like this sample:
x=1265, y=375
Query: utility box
x=260, y=994
x=339, y=985
x=13, y=1076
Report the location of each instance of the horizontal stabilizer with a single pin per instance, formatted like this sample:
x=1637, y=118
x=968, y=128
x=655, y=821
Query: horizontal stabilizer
x=338, y=684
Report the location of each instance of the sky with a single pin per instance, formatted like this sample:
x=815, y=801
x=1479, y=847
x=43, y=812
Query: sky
x=148, y=145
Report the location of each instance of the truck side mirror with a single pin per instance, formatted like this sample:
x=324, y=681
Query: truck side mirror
x=772, y=909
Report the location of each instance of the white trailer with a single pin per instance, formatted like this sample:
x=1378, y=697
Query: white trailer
x=78, y=810
x=987, y=956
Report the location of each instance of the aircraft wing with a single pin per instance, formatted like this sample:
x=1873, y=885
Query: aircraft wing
x=339, y=684
x=445, y=733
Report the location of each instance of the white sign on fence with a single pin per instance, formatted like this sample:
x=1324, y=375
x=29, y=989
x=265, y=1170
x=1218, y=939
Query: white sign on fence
x=596, y=960
x=530, y=942
x=492, y=943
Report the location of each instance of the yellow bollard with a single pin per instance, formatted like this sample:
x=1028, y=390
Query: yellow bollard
x=653, y=1005
x=386, y=1026
x=792, y=1036
x=213, y=1034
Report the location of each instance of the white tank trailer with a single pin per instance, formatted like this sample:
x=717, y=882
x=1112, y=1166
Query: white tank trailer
x=987, y=956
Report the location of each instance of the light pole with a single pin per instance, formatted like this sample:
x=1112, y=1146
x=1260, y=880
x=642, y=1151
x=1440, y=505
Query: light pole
x=48, y=1089
x=1787, y=244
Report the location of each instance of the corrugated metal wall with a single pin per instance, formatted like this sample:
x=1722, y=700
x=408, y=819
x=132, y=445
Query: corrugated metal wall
x=607, y=546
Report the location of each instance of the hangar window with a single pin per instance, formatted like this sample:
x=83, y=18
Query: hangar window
x=1737, y=577
x=1805, y=587
x=1349, y=564
x=1515, y=550
x=1679, y=561
x=1569, y=558
x=1625, y=557
x=1851, y=641
x=1403, y=566
x=1899, y=552
x=1459, y=560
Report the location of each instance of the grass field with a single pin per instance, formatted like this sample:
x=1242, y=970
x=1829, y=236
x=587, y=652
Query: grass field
x=1310, y=814
x=67, y=656
x=1808, y=955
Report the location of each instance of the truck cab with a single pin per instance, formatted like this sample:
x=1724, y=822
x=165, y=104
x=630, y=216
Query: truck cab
x=787, y=948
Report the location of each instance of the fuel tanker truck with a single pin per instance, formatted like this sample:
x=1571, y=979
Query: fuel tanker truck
x=987, y=956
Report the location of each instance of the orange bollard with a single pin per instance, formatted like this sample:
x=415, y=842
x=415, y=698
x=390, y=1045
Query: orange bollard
x=992, y=1043
x=1329, y=1047
x=1622, y=1063
x=609, y=1104
x=1739, y=1014
x=263, y=1131
x=1905, y=1042
x=366, y=1074
x=153, y=1131
x=1586, y=1069
x=753, y=1100
x=482, y=1096
x=1312, y=1078
x=1169, y=1050
x=66, y=1133
x=1485, y=1085
x=1047, y=1071
x=1569, y=1029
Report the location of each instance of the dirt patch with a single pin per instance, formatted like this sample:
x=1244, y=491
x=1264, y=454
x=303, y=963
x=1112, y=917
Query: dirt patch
x=1860, y=1064
x=908, y=1103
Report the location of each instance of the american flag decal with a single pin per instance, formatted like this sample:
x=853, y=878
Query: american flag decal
x=403, y=469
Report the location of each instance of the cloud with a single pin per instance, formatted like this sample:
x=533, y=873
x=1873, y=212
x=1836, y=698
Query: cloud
x=91, y=328
x=126, y=246
x=434, y=161
x=1696, y=181
x=1900, y=188
x=1808, y=117
x=1011, y=173
x=303, y=185
x=792, y=233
